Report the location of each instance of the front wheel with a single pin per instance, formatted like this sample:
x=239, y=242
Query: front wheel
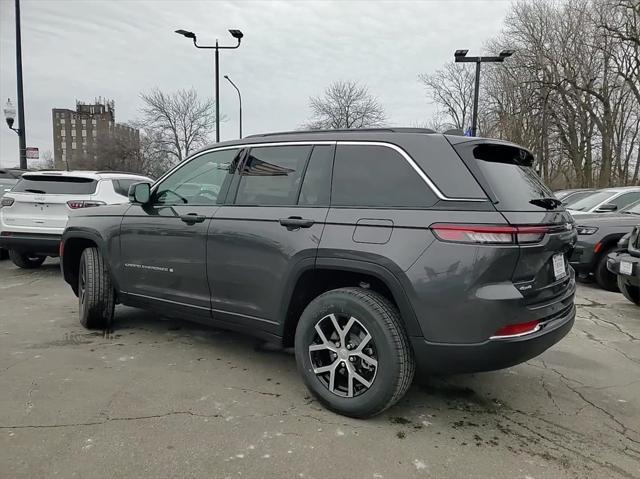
x=631, y=292
x=96, y=297
x=605, y=278
x=353, y=352
x=26, y=260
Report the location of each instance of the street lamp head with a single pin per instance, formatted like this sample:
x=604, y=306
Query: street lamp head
x=186, y=33
x=237, y=34
x=10, y=113
x=506, y=53
x=226, y=77
x=460, y=53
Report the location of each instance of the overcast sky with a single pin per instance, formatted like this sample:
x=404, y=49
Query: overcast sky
x=291, y=50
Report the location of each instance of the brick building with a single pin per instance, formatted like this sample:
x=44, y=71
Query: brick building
x=78, y=134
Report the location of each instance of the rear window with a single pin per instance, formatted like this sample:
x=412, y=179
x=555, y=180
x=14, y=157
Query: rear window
x=55, y=185
x=508, y=172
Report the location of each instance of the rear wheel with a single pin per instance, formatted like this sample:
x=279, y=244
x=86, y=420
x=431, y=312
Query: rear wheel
x=605, y=278
x=631, y=292
x=353, y=352
x=96, y=297
x=26, y=260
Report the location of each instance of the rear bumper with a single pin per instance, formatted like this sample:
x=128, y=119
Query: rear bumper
x=36, y=243
x=613, y=265
x=439, y=358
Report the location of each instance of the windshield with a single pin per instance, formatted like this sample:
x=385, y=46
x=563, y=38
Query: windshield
x=632, y=209
x=573, y=198
x=590, y=202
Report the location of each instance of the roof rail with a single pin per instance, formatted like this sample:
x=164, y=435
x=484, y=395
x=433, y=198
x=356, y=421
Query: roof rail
x=105, y=172
x=347, y=130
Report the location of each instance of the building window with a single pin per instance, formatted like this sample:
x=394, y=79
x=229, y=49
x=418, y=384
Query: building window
x=73, y=145
x=73, y=133
x=84, y=133
x=94, y=121
x=94, y=133
x=63, y=133
x=84, y=121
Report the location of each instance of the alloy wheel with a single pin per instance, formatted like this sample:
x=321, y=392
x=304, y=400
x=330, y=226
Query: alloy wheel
x=343, y=355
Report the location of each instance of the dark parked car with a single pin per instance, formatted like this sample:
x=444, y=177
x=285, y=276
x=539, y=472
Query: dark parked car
x=626, y=266
x=371, y=252
x=598, y=235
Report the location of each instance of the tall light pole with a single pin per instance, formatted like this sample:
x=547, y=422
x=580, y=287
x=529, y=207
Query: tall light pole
x=239, y=100
x=461, y=56
x=237, y=34
x=9, y=109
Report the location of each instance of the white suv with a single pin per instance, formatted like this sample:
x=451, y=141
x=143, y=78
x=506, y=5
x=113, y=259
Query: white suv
x=34, y=213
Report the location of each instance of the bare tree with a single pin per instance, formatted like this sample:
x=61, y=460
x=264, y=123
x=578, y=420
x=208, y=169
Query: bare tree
x=451, y=89
x=345, y=105
x=178, y=122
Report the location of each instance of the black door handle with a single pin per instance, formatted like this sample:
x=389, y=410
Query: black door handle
x=192, y=218
x=295, y=222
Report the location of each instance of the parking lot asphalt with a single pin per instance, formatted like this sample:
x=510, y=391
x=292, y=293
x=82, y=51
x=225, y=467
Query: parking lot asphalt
x=164, y=398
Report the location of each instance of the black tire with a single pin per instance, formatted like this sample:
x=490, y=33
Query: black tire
x=96, y=297
x=395, y=361
x=631, y=292
x=4, y=254
x=605, y=278
x=26, y=260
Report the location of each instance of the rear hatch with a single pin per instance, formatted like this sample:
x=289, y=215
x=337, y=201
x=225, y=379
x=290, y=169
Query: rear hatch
x=43, y=201
x=505, y=171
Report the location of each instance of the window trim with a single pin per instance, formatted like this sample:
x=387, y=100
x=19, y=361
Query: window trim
x=247, y=146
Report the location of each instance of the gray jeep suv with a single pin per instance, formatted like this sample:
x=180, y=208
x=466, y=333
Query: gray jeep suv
x=372, y=252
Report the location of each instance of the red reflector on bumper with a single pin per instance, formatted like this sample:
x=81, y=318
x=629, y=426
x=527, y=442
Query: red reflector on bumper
x=515, y=330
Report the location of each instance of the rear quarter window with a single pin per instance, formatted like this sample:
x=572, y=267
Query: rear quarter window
x=55, y=185
x=377, y=177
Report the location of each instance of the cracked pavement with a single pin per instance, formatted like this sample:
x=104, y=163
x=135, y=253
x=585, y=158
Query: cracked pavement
x=164, y=398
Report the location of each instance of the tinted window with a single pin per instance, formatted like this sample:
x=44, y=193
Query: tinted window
x=202, y=181
x=625, y=199
x=376, y=176
x=508, y=172
x=122, y=186
x=271, y=175
x=316, y=186
x=55, y=185
x=633, y=208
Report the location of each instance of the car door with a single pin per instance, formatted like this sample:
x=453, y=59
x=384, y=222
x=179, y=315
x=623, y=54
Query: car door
x=268, y=231
x=163, y=243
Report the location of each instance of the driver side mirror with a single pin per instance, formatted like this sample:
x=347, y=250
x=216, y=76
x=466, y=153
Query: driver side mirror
x=607, y=208
x=140, y=193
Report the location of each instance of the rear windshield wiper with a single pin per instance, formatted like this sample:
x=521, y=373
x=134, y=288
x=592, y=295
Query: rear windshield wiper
x=547, y=203
x=29, y=190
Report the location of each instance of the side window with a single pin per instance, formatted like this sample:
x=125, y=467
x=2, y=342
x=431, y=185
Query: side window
x=271, y=175
x=122, y=185
x=626, y=199
x=316, y=186
x=377, y=176
x=202, y=181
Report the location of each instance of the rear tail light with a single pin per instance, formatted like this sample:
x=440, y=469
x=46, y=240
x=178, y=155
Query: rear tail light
x=77, y=204
x=489, y=234
x=6, y=202
x=515, y=330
